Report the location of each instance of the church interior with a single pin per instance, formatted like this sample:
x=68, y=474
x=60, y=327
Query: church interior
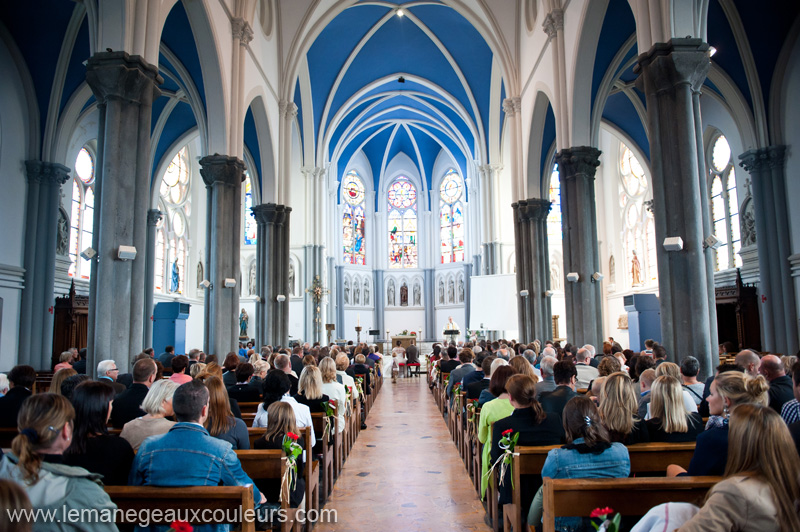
x=199, y=173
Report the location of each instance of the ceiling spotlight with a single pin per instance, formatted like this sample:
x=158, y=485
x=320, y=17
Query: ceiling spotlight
x=400, y=12
x=401, y=79
x=711, y=51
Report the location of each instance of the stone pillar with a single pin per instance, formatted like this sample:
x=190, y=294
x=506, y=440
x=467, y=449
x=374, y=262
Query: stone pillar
x=41, y=232
x=533, y=271
x=153, y=217
x=778, y=307
x=379, y=299
x=467, y=294
x=430, y=304
x=670, y=75
x=576, y=167
x=125, y=87
x=272, y=271
x=223, y=177
x=330, y=310
x=491, y=247
x=313, y=267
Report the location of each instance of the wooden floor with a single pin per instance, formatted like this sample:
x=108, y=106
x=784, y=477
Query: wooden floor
x=404, y=472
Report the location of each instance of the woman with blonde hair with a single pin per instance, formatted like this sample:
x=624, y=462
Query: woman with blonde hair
x=669, y=421
x=253, y=357
x=333, y=389
x=618, y=410
x=60, y=376
x=196, y=369
x=342, y=363
x=309, y=389
x=158, y=405
x=728, y=391
x=673, y=370
x=220, y=422
x=523, y=367
x=64, y=361
x=45, y=431
x=281, y=422
x=760, y=491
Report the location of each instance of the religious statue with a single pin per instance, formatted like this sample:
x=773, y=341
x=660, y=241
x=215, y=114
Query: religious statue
x=612, y=270
x=366, y=292
x=390, y=292
x=176, y=278
x=62, y=239
x=291, y=278
x=200, y=277
x=555, y=276
x=748, y=226
x=460, y=289
x=347, y=292
x=417, y=295
x=356, y=292
x=636, y=271
x=441, y=292
x=243, y=319
x=404, y=295
x=253, y=288
x=451, y=291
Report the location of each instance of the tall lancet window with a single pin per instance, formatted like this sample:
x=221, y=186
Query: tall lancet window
x=82, y=214
x=638, y=226
x=353, y=221
x=402, y=224
x=724, y=204
x=451, y=217
x=173, y=230
x=250, y=224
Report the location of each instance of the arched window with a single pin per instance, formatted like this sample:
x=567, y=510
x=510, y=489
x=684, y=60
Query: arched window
x=173, y=230
x=402, y=224
x=353, y=220
x=250, y=225
x=451, y=217
x=554, y=231
x=638, y=225
x=82, y=214
x=724, y=204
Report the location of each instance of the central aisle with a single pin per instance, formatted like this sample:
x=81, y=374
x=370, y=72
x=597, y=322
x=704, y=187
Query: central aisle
x=404, y=472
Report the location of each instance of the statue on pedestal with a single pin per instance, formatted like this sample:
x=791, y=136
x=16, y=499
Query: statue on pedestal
x=243, y=319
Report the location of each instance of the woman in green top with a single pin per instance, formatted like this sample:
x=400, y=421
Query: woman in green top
x=492, y=411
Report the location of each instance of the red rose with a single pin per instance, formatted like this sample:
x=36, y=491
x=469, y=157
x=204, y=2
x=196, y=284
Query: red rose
x=292, y=436
x=601, y=512
x=332, y=402
x=181, y=526
x=507, y=432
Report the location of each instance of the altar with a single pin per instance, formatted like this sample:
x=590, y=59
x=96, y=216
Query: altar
x=404, y=339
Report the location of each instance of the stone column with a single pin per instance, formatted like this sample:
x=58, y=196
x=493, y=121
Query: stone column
x=223, y=177
x=533, y=272
x=340, y=301
x=41, y=232
x=125, y=87
x=430, y=304
x=272, y=271
x=153, y=217
x=467, y=294
x=576, y=167
x=778, y=307
x=330, y=310
x=670, y=75
x=379, y=298
x=491, y=247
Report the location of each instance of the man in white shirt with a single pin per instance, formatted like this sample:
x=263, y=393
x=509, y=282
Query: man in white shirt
x=586, y=373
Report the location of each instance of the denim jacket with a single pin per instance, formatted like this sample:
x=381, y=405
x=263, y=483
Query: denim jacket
x=614, y=462
x=188, y=456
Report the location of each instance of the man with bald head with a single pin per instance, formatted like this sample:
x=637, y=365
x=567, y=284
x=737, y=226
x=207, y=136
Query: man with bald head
x=749, y=361
x=780, y=384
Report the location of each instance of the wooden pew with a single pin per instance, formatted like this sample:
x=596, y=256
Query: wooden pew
x=254, y=433
x=645, y=458
x=249, y=408
x=312, y=476
x=268, y=464
x=628, y=496
x=185, y=499
x=318, y=420
x=8, y=434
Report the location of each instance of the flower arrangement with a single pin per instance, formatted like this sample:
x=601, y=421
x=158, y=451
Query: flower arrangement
x=180, y=526
x=457, y=396
x=360, y=386
x=292, y=450
x=508, y=441
x=413, y=333
x=607, y=525
x=329, y=406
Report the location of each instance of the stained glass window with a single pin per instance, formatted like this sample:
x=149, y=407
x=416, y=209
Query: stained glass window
x=451, y=217
x=402, y=224
x=250, y=225
x=81, y=214
x=353, y=220
x=173, y=229
x=638, y=227
x=554, y=231
x=724, y=204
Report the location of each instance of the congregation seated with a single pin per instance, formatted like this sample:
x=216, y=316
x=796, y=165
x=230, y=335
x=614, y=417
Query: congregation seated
x=670, y=422
x=108, y=372
x=449, y=360
x=457, y=375
x=412, y=355
x=586, y=371
x=618, y=410
x=180, y=367
x=229, y=369
x=70, y=383
x=20, y=384
x=565, y=376
x=296, y=361
x=360, y=368
x=646, y=379
x=523, y=367
x=282, y=422
x=475, y=388
x=780, y=384
x=243, y=391
x=486, y=395
x=127, y=405
x=790, y=412
x=476, y=374
x=64, y=361
x=342, y=364
x=276, y=389
x=493, y=411
x=535, y=427
x=157, y=407
x=729, y=390
x=187, y=455
x=220, y=422
x=59, y=377
x=333, y=389
x=690, y=367
x=92, y=447
x=260, y=369
x=309, y=391
x=589, y=453
x=45, y=425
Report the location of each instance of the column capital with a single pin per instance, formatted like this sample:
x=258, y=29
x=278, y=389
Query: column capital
x=241, y=30
x=673, y=63
x=271, y=213
x=313, y=171
x=512, y=106
x=119, y=76
x=578, y=161
x=154, y=216
x=537, y=209
x=46, y=173
x=553, y=22
x=488, y=169
x=761, y=158
x=288, y=109
x=221, y=169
